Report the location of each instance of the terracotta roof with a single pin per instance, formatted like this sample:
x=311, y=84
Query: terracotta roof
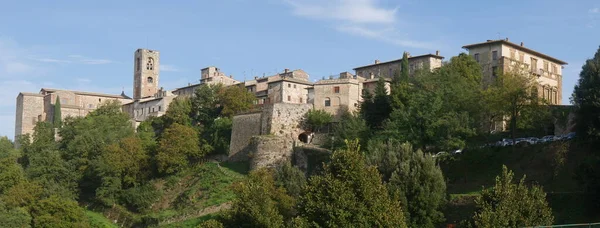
x=516, y=46
x=398, y=60
x=83, y=93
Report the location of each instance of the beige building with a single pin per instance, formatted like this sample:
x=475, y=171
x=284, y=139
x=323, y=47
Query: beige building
x=290, y=86
x=496, y=55
x=387, y=69
x=145, y=73
x=34, y=107
x=336, y=95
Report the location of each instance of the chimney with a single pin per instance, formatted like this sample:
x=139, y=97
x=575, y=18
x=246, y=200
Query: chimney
x=522, y=44
x=345, y=75
x=255, y=77
x=408, y=54
x=437, y=52
x=189, y=84
x=377, y=61
x=286, y=70
x=489, y=40
x=230, y=76
x=506, y=39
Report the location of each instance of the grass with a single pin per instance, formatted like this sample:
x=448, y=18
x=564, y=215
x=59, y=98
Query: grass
x=190, y=223
x=470, y=172
x=97, y=220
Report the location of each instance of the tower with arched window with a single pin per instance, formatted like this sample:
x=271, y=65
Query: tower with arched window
x=145, y=73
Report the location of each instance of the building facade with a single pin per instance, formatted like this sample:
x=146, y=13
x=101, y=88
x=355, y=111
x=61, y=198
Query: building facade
x=389, y=68
x=495, y=56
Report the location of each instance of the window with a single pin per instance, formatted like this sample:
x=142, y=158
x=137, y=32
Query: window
x=294, y=86
x=494, y=55
x=390, y=73
x=522, y=57
x=554, y=70
x=301, y=100
x=289, y=98
x=545, y=66
x=555, y=97
x=533, y=64
x=327, y=102
x=495, y=71
x=150, y=80
x=137, y=64
x=150, y=64
x=99, y=100
x=336, y=89
x=289, y=85
x=476, y=56
x=159, y=108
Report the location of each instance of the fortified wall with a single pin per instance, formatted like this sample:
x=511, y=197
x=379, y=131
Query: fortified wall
x=268, y=136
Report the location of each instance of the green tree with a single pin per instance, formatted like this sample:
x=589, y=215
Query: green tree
x=586, y=98
x=349, y=127
x=290, y=178
x=47, y=168
x=317, y=119
x=235, y=99
x=206, y=104
x=211, y=223
x=11, y=173
x=218, y=134
x=349, y=194
x=415, y=177
x=404, y=74
x=179, y=112
x=512, y=205
x=57, y=118
x=375, y=109
x=260, y=203
x=57, y=212
x=178, y=148
x=24, y=194
x=14, y=217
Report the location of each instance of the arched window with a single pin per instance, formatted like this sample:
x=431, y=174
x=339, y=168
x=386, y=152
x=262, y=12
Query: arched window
x=150, y=64
x=150, y=80
x=327, y=102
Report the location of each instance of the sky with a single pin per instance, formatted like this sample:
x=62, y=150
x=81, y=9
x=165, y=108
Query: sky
x=89, y=45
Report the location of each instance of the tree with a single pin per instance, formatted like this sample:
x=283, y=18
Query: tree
x=404, y=67
x=316, y=119
x=290, y=178
x=586, y=98
x=11, y=173
x=235, y=99
x=349, y=193
x=415, y=177
x=375, y=109
x=260, y=203
x=57, y=118
x=48, y=169
x=178, y=148
x=179, y=112
x=349, y=127
x=512, y=205
x=205, y=104
x=14, y=217
x=57, y=212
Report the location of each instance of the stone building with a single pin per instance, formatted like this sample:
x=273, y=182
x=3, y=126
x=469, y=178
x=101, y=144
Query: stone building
x=387, y=69
x=286, y=87
x=496, y=55
x=145, y=73
x=337, y=95
x=34, y=107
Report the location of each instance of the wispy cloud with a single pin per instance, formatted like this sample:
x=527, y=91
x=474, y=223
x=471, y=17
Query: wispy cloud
x=594, y=10
x=50, y=60
x=169, y=68
x=86, y=60
x=365, y=18
x=593, y=14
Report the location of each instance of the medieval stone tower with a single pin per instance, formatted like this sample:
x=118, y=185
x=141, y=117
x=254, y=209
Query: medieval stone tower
x=145, y=73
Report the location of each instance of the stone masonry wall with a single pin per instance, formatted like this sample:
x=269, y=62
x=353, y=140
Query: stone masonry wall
x=243, y=128
x=284, y=119
x=269, y=150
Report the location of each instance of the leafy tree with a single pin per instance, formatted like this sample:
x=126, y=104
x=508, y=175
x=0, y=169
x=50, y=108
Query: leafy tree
x=23, y=194
x=415, y=177
x=586, y=97
x=14, y=217
x=211, y=223
x=350, y=194
x=140, y=198
x=290, y=178
x=57, y=118
x=218, y=134
x=179, y=112
x=316, y=119
x=375, y=109
x=404, y=67
x=178, y=148
x=259, y=202
x=57, y=212
x=11, y=173
x=206, y=104
x=512, y=205
x=47, y=168
x=235, y=99
x=349, y=127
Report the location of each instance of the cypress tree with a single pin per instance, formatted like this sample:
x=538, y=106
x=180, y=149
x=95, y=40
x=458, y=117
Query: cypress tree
x=404, y=67
x=586, y=98
x=57, y=119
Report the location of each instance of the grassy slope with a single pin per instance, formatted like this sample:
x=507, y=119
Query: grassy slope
x=469, y=173
x=98, y=220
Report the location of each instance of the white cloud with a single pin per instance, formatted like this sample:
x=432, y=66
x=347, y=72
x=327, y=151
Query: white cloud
x=170, y=68
x=365, y=18
x=594, y=10
x=356, y=11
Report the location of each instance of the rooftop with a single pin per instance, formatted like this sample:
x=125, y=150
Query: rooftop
x=516, y=46
x=398, y=60
x=49, y=90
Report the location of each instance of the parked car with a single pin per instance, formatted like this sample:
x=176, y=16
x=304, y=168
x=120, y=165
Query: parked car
x=547, y=138
x=569, y=136
x=438, y=154
x=533, y=140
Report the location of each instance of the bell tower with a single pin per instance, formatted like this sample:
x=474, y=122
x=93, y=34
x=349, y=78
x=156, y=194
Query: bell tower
x=145, y=73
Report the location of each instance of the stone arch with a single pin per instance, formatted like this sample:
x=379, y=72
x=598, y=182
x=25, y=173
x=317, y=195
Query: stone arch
x=150, y=80
x=150, y=64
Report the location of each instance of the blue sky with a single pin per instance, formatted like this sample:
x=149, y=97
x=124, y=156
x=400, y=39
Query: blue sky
x=89, y=46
